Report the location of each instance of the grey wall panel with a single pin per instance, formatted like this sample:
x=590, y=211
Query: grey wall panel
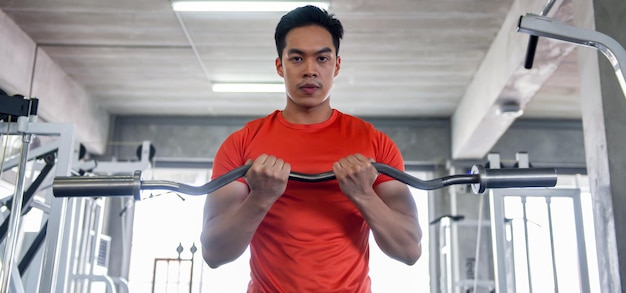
x=420, y=140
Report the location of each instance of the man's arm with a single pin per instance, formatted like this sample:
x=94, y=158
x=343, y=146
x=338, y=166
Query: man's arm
x=398, y=233
x=229, y=224
x=388, y=209
x=233, y=213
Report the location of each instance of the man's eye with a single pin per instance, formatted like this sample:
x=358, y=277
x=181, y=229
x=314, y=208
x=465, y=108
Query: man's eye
x=297, y=59
x=323, y=59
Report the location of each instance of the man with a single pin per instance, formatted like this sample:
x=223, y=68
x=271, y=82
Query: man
x=309, y=237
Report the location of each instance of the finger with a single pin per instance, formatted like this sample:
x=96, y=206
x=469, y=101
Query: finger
x=280, y=164
x=286, y=169
x=356, y=161
x=261, y=159
x=259, y=163
x=351, y=159
x=270, y=161
x=343, y=163
x=337, y=165
x=361, y=158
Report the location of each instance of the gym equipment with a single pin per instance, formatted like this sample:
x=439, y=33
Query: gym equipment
x=62, y=239
x=503, y=232
x=24, y=111
x=54, y=273
x=616, y=54
x=538, y=25
x=16, y=106
x=145, y=154
x=479, y=178
x=27, y=203
x=534, y=39
x=504, y=259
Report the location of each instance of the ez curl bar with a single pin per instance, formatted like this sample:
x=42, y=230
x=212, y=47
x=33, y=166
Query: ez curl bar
x=480, y=178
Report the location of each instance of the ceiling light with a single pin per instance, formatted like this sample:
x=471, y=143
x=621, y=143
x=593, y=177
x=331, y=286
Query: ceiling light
x=260, y=6
x=248, y=87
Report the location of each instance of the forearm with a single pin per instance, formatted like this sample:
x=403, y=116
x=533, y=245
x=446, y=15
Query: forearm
x=226, y=236
x=397, y=234
x=234, y=212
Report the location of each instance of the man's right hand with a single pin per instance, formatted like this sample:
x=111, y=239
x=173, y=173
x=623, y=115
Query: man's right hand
x=233, y=212
x=267, y=178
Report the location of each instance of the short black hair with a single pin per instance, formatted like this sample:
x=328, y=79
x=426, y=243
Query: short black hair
x=304, y=16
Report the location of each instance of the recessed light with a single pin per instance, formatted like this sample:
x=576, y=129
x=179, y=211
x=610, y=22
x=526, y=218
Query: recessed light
x=250, y=6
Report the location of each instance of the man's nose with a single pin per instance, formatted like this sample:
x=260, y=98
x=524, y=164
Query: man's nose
x=310, y=69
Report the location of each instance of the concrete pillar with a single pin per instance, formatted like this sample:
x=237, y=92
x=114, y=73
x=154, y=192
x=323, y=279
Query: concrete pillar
x=29, y=71
x=604, y=117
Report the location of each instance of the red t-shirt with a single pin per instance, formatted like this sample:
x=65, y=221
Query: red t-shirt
x=313, y=239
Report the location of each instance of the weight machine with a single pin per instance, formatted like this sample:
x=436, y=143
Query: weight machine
x=507, y=257
x=24, y=113
x=71, y=235
x=503, y=246
x=542, y=26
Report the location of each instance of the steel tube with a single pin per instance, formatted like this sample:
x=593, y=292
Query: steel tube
x=14, y=218
x=510, y=178
x=537, y=25
x=98, y=186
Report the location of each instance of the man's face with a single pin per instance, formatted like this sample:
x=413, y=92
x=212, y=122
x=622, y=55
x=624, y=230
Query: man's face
x=308, y=66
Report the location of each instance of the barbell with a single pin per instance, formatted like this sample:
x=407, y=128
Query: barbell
x=480, y=179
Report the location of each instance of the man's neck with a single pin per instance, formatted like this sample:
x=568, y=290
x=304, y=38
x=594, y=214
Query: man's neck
x=307, y=115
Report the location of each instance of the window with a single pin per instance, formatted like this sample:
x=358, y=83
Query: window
x=551, y=222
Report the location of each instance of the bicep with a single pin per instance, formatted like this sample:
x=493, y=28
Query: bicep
x=224, y=199
x=397, y=196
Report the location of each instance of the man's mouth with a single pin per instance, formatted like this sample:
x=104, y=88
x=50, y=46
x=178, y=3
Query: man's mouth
x=309, y=88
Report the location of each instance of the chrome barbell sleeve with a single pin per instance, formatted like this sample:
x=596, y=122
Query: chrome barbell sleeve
x=73, y=186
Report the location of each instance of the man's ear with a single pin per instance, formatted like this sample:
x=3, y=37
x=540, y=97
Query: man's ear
x=279, y=67
x=337, y=66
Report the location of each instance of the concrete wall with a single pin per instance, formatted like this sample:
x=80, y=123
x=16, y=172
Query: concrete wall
x=556, y=143
x=27, y=70
x=604, y=118
x=420, y=140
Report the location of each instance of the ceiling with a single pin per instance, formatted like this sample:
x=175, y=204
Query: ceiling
x=400, y=58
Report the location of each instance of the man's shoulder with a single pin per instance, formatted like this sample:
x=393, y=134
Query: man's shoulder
x=258, y=122
x=354, y=120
